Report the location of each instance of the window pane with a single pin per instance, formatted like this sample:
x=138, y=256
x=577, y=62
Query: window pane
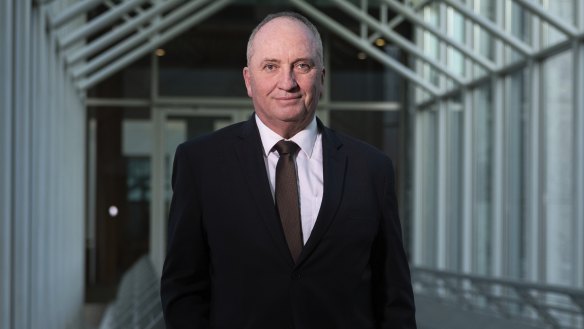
x=517, y=118
x=562, y=9
x=483, y=171
x=428, y=144
x=455, y=121
x=558, y=159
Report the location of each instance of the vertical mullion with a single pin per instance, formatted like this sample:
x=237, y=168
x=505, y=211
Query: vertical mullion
x=578, y=103
x=467, y=158
x=468, y=182
x=537, y=172
x=36, y=287
x=157, y=169
x=441, y=188
x=418, y=204
x=417, y=184
x=535, y=245
x=579, y=146
x=50, y=178
x=21, y=229
x=6, y=117
x=498, y=190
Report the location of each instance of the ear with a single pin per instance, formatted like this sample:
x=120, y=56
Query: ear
x=247, y=79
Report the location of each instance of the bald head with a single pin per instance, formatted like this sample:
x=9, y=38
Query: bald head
x=290, y=16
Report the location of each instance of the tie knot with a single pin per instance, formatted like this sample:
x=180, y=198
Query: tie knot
x=286, y=147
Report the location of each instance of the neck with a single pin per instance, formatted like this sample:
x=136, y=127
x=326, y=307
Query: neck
x=287, y=129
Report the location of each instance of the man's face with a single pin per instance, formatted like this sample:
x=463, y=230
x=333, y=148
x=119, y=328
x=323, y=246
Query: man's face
x=284, y=76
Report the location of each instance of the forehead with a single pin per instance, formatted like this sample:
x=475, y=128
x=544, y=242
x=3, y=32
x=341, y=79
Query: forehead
x=284, y=35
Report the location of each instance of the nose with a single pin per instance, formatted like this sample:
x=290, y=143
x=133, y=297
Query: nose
x=287, y=80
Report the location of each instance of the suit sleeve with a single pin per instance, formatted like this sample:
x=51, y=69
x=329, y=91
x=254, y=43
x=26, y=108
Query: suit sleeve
x=185, y=282
x=393, y=295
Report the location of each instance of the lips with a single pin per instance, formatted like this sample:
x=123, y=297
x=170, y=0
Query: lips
x=288, y=98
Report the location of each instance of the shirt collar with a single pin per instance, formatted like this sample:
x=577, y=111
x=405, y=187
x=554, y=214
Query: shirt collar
x=304, y=138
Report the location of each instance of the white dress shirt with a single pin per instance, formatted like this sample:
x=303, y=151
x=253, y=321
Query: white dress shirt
x=308, y=166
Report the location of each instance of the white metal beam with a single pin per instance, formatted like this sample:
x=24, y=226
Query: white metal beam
x=538, y=10
x=361, y=44
x=509, y=39
x=120, y=32
x=411, y=15
x=397, y=39
x=137, y=39
x=155, y=42
x=99, y=23
x=399, y=18
x=73, y=12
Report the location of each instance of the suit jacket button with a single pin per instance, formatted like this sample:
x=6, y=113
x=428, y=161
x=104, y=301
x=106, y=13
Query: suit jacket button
x=295, y=276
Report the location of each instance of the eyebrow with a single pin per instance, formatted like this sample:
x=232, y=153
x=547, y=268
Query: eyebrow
x=273, y=60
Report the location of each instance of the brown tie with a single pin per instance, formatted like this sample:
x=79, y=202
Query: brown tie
x=287, y=200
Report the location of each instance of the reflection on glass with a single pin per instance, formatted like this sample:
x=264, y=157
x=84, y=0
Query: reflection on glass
x=428, y=157
x=563, y=10
x=454, y=147
x=517, y=117
x=518, y=23
x=557, y=193
x=483, y=172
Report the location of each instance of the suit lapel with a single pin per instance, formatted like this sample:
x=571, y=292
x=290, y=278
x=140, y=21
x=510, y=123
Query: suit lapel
x=334, y=166
x=250, y=154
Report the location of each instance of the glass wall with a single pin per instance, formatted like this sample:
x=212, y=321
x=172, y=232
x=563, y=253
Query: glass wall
x=557, y=202
x=482, y=220
x=516, y=143
x=511, y=146
x=454, y=178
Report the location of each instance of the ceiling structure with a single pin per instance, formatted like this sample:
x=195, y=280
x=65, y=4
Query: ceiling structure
x=118, y=33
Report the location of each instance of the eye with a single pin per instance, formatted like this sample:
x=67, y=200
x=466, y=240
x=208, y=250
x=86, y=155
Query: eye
x=303, y=67
x=270, y=67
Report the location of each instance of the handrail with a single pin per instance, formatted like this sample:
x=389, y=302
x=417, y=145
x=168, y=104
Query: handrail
x=550, y=306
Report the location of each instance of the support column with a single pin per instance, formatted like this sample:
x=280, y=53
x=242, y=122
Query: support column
x=6, y=142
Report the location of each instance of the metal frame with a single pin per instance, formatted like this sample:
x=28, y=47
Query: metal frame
x=120, y=32
x=99, y=23
x=471, y=289
x=532, y=63
x=74, y=11
x=411, y=15
x=6, y=165
x=179, y=22
x=382, y=28
x=396, y=38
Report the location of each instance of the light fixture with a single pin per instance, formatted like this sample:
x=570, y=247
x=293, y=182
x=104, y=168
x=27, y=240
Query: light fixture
x=361, y=55
x=379, y=42
x=113, y=211
x=160, y=52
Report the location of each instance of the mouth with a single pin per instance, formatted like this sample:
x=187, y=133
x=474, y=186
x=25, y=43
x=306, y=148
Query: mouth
x=287, y=98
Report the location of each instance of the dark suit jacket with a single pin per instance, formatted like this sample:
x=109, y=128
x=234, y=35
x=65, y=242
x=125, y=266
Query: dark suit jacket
x=228, y=265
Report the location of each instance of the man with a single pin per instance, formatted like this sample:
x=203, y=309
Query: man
x=302, y=233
